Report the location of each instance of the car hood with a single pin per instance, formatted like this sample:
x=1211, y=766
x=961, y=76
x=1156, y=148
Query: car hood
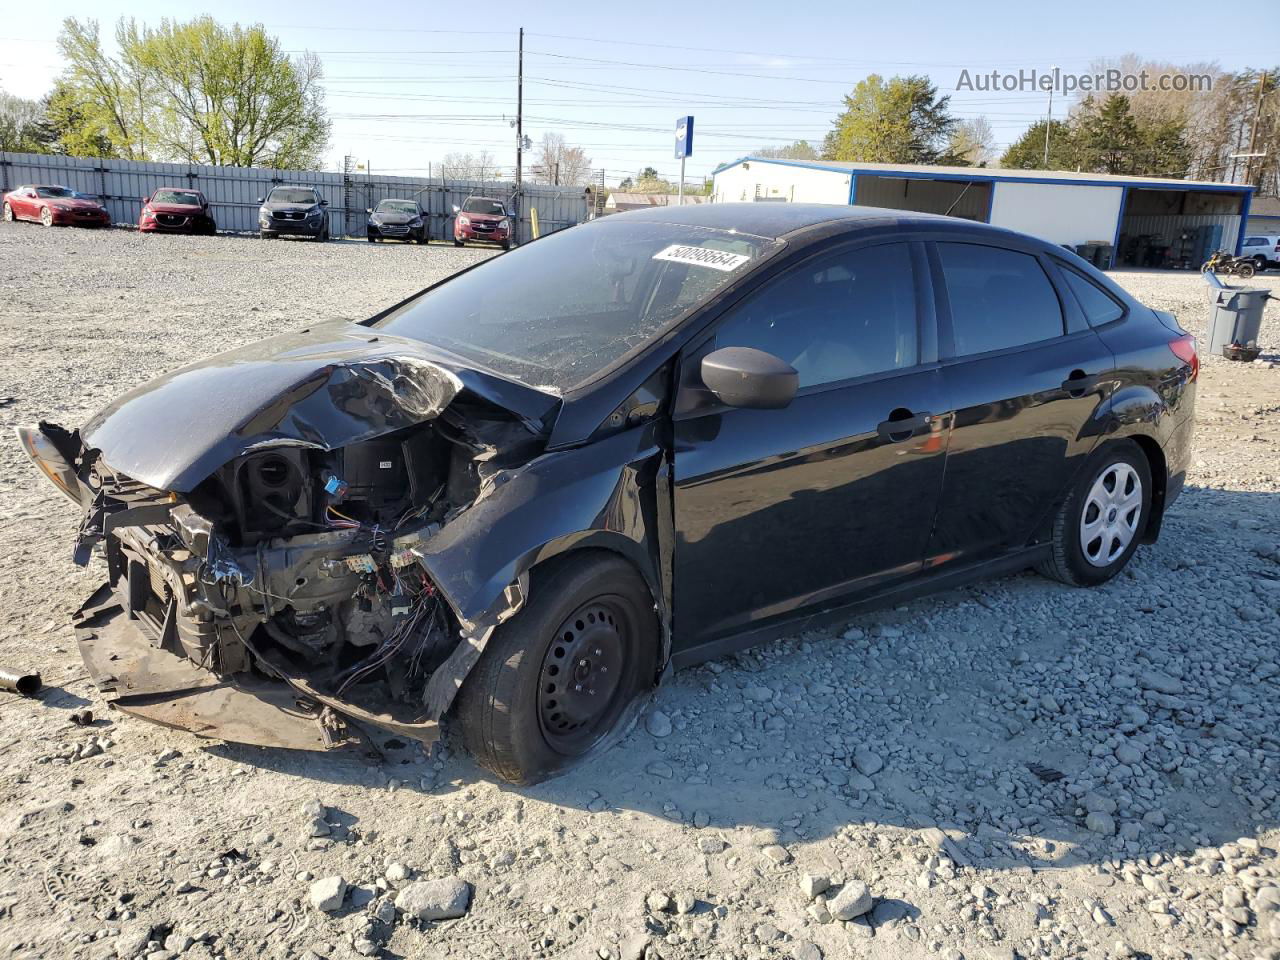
x=182, y=210
x=324, y=387
x=483, y=217
x=393, y=218
x=289, y=207
x=72, y=204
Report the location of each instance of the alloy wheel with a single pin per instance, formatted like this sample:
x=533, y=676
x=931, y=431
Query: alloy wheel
x=1112, y=511
x=8, y=214
x=46, y=217
x=581, y=672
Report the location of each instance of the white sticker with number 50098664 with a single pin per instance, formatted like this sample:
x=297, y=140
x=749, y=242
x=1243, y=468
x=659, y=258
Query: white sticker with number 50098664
x=702, y=257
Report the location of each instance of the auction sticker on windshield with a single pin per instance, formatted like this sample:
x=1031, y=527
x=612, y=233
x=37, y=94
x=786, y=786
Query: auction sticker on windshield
x=702, y=257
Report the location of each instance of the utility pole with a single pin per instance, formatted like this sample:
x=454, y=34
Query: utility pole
x=519, y=129
x=1253, y=129
x=1048, y=123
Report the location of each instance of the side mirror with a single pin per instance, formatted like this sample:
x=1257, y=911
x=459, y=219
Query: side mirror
x=746, y=377
x=145, y=200
x=456, y=208
x=368, y=209
x=260, y=200
x=324, y=203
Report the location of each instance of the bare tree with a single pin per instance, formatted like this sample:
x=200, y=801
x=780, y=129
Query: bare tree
x=470, y=166
x=559, y=163
x=974, y=142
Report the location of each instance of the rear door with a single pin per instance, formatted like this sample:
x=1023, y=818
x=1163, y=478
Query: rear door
x=1025, y=379
x=782, y=511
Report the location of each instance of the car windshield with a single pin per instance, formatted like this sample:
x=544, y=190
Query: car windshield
x=397, y=206
x=56, y=193
x=557, y=313
x=480, y=205
x=292, y=195
x=182, y=197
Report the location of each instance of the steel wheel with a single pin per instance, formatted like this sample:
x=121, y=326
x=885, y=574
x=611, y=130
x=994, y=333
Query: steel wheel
x=1111, y=514
x=580, y=675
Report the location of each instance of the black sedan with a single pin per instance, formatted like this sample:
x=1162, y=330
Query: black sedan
x=397, y=220
x=519, y=496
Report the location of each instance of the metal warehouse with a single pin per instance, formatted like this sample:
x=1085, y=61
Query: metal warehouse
x=1111, y=220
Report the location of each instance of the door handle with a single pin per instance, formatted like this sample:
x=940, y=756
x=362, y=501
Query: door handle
x=896, y=430
x=1079, y=383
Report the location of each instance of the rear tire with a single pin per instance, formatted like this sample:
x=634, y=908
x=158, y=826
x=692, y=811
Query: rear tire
x=1245, y=270
x=1099, y=525
x=529, y=709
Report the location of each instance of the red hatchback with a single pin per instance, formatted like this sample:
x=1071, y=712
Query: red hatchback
x=54, y=206
x=176, y=210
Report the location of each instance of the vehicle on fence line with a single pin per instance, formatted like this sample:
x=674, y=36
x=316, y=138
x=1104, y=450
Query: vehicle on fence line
x=293, y=211
x=176, y=210
x=54, y=206
x=1262, y=249
x=1223, y=261
x=397, y=220
x=482, y=218
x=516, y=508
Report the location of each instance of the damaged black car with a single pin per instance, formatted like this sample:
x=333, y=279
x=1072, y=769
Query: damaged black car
x=518, y=498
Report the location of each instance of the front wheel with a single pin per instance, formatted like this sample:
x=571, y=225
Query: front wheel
x=46, y=217
x=1098, y=527
x=457, y=242
x=8, y=213
x=561, y=674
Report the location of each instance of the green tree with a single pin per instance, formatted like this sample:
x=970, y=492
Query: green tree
x=197, y=92
x=800, y=150
x=1027, y=152
x=1107, y=136
x=902, y=120
x=22, y=125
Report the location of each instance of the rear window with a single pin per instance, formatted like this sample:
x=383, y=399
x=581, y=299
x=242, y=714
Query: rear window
x=1099, y=306
x=999, y=298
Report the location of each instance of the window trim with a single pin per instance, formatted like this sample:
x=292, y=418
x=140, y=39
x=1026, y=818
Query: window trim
x=1064, y=268
x=942, y=298
x=925, y=317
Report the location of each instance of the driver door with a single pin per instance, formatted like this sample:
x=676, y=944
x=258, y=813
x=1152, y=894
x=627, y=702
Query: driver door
x=782, y=512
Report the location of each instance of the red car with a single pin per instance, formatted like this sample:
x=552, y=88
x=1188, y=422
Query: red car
x=54, y=206
x=482, y=218
x=176, y=210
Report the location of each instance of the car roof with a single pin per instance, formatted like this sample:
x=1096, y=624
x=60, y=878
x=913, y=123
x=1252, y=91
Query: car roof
x=775, y=220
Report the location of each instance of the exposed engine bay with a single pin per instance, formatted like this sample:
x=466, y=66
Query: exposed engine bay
x=294, y=563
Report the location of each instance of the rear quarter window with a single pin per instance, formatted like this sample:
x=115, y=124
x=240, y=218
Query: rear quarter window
x=999, y=298
x=1099, y=307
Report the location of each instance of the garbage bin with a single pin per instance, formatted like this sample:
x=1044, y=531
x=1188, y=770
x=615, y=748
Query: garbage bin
x=1235, y=319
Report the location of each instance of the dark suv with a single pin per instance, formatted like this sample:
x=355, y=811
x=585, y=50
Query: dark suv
x=293, y=211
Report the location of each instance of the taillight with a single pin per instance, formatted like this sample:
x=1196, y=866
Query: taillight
x=1184, y=348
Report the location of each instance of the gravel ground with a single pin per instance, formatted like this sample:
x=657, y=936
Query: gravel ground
x=1012, y=769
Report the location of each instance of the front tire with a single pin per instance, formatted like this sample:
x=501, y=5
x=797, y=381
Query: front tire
x=46, y=216
x=1100, y=524
x=8, y=213
x=457, y=242
x=561, y=674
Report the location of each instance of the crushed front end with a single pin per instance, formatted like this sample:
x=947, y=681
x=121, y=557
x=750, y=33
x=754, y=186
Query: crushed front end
x=283, y=600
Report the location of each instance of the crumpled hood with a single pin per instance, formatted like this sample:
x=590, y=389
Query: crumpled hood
x=326, y=387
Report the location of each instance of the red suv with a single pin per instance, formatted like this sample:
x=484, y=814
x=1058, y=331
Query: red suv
x=482, y=218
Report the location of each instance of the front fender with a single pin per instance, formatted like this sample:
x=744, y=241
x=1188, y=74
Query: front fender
x=601, y=495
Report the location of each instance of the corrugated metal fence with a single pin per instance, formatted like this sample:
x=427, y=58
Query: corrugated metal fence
x=233, y=192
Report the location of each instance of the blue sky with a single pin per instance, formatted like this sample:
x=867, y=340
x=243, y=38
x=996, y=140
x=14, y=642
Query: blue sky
x=420, y=80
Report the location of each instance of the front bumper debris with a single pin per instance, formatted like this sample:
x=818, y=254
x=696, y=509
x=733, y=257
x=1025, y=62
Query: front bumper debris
x=139, y=678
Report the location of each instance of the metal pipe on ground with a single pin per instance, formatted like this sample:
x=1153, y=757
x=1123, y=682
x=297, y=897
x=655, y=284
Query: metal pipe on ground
x=15, y=681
